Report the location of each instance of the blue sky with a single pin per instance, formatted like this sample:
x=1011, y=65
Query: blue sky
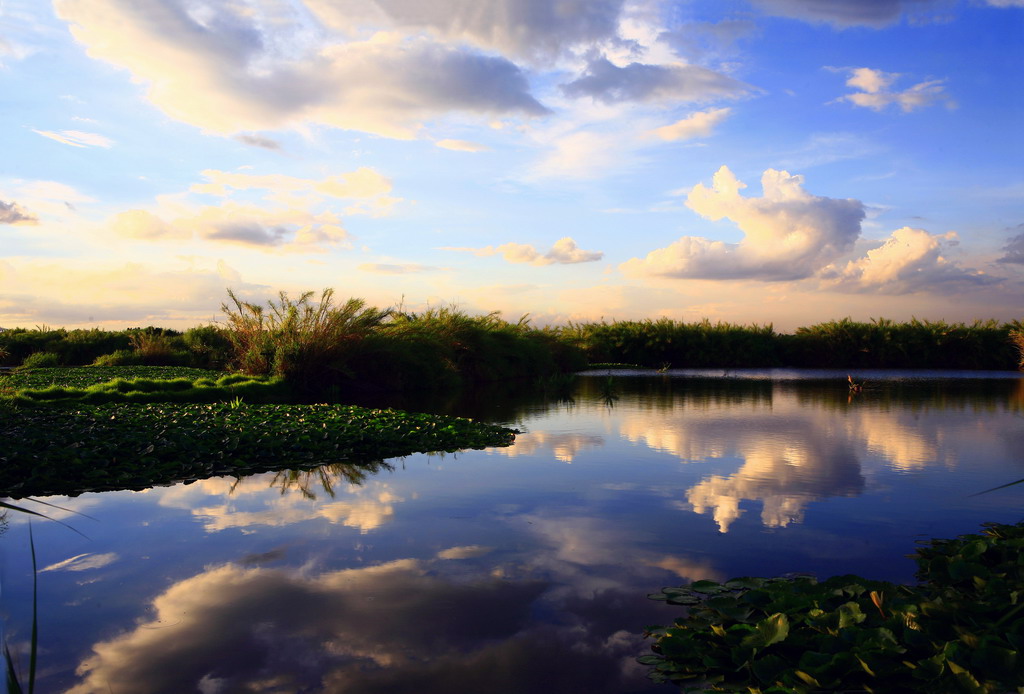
x=783, y=161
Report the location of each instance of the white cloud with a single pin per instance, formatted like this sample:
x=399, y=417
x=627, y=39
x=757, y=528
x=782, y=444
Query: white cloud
x=563, y=252
x=875, y=95
x=1006, y=3
x=77, y=138
x=698, y=124
x=910, y=260
x=461, y=146
x=230, y=68
x=604, y=81
x=843, y=13
x=13, y=213
x=789, y=233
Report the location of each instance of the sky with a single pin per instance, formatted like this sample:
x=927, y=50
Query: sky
x=748, y=161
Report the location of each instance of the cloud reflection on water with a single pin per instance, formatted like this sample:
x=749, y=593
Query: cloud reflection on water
x=402, y=626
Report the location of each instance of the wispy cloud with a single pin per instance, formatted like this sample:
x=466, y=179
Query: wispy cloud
x=461, y=146
x=874, y=92
x=698, y=124
x=77, y=138
x=398, y=268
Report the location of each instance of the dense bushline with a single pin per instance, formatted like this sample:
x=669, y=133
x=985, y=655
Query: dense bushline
x=201, y=347
x=843, y=344
x=322, y=347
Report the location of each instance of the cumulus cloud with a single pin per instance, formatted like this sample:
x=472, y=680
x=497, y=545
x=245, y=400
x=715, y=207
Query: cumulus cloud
x=843, y=13
x=563, y=252
x=875, y=93
x=788, y=233
x=606, y=82
x=698, y=124
x=1014, y=249
x=229, y=68
x=910, y=260
x=77, y=138
x=13, y=213
x=533, y=30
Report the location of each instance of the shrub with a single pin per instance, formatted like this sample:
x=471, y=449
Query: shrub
x=122, y=357
x=296, y=339
x=40, y=360
x=961, y=630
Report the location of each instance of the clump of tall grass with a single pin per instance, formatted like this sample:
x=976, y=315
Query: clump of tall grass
x=40, y=360
x=297, y=339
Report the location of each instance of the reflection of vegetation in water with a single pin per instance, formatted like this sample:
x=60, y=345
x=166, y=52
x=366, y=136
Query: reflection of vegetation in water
x=962, y=629
x=327, y=477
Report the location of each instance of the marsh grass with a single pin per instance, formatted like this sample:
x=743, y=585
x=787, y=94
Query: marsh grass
x=151, y=390
x=297, y=339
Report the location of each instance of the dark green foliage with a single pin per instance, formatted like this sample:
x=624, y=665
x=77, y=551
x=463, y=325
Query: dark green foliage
x=679, y=344
x=69, y=450
x=41, y=360
x=961, y=630
x=917, y=345
x=845, y=344
x=447, y=347
x=316, y=347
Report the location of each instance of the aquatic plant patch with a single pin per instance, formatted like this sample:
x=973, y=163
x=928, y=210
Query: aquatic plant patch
x=69, y=450
x=961, y=630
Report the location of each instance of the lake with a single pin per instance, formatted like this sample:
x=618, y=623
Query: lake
x=519, y=569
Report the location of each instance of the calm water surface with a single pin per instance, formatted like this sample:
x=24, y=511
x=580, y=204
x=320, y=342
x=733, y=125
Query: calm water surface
x=520, y=569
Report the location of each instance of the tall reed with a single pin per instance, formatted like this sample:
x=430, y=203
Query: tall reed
x=297, y=339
